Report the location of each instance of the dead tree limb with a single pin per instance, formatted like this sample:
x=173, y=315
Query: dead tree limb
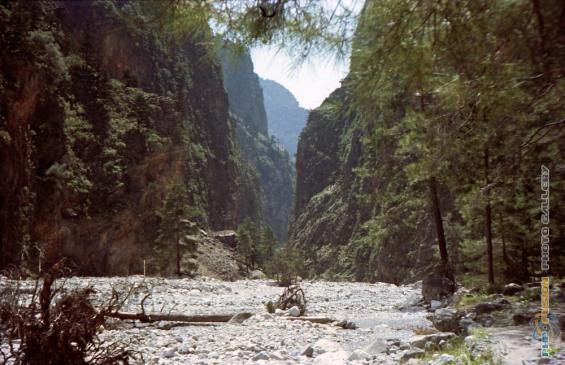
x=320, y=320
x=175, y=317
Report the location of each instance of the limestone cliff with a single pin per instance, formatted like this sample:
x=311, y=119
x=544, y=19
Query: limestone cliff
x=286, y=117
x=269, y=160
x=99, y=114
x=336, y=203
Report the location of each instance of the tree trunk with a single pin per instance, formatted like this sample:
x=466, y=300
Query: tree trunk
x=178, y=246
x=505, y=257
x=174, y=317
x=447, y=270
x=211, y=318
x=488, y=222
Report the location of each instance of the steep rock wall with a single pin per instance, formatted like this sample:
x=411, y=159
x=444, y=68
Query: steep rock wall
x=97, y=119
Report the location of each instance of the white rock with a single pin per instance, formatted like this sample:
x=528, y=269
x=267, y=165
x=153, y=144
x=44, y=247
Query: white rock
x=261, y=356
x=444, y=359
x=213, y=355
x=377, y=346
x=279, y=312
x=331, y=358
x=293, y=312
x=276, y=356
x=325, y=345
x=169, y=353
x=435, y=304
x=358, y=355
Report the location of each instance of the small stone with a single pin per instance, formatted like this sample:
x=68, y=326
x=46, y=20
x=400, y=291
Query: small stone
x=169, y=353
x=213, y=355
x=276, y=356
x=279, y=312
x=261, y=356
x=435, y=304
x=307, y=351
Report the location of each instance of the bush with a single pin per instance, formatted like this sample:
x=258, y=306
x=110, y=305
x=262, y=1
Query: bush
x=47, y=333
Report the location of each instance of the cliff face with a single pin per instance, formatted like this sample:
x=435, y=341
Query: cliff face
x=268, y=160
x=97, y=119
x=286, y=117
x=338, y=201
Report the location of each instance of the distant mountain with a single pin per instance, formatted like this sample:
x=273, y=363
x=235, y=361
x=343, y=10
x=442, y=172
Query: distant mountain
x=286, y=117
x=274, y=183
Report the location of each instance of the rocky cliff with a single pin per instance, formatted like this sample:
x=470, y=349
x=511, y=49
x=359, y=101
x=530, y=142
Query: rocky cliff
x=99, y=114
x=268, y=159
x=286, y=117
x=345, y=218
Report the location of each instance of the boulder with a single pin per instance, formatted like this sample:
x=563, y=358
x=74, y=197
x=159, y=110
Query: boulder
x=483, y=308
x=261, y=356
x=521, y=318
x=257, y=275
x=447, y=320
x=437, y=287
x=293, y=312
x=324, y=345
x=331, y=358
x=228, y=238
x=511, y=289
x=465, y=324
x=435, y=304
x=358, y=355
x=444, y=359
x=412, y=354
x=420, y=341
x=376, y=347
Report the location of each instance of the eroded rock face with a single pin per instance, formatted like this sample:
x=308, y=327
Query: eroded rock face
x=97, y=119
x=270, y=172
x=330, y=214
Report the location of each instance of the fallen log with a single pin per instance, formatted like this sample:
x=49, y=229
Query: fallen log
x=320, y=320
x=143, y=317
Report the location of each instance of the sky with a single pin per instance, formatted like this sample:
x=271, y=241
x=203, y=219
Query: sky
x=310, y=83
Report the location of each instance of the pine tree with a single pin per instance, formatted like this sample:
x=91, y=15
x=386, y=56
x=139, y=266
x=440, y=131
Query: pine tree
x=176, y=215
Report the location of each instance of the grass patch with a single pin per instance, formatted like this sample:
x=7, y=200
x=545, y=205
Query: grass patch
x=457, y=348
x=472, y=299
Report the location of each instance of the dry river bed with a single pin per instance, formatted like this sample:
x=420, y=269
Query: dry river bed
x=263, y=338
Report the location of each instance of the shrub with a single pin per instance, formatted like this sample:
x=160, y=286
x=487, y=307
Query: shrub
x=47, y=333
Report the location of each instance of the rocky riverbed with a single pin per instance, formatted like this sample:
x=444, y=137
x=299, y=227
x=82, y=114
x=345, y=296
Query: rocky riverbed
x=263, y=338
x=391, y=327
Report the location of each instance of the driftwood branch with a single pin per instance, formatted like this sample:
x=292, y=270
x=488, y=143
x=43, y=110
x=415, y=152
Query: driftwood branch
x=320, y=320
x=175, y=317
x=215, y=318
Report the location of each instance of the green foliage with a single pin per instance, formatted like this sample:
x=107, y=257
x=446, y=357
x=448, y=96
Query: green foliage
x=175, y=215
x=256, y=244
x=270, y=307
x=437, y=96
x=457, y=348
x=286, y=265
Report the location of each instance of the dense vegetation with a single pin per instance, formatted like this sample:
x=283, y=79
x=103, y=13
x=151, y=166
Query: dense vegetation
x=465, y=100
x=428, y=158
